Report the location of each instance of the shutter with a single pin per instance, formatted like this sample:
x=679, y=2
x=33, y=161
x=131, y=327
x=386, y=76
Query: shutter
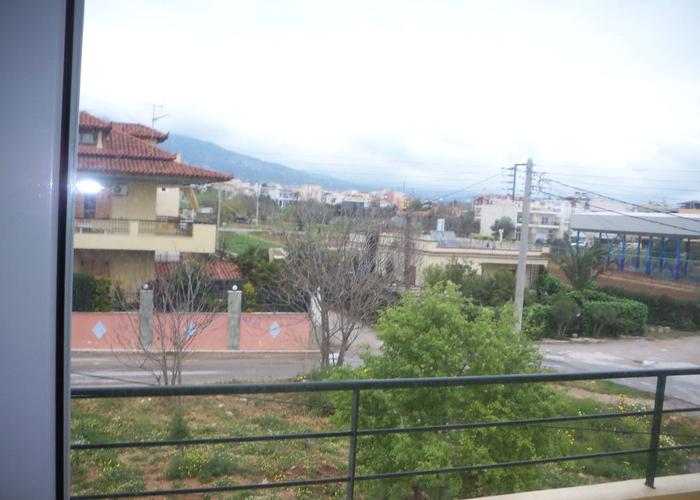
x=103, y=207
x=79, y=205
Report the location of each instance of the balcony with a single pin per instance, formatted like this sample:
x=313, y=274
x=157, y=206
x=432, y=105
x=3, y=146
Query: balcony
x=144, y=235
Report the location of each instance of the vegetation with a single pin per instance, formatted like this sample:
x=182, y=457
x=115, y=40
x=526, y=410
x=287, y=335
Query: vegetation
x=588, y=312
x=440, y=334
x=91, y=294
x=239, y=243
x=582, y=265
x=486, y=289
x=666, y=311
x=507, y=225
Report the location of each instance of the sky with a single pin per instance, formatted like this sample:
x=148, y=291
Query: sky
x=431, y=95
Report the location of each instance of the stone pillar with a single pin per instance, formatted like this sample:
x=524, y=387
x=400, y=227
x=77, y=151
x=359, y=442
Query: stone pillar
x=233, y=340
x=145, y=317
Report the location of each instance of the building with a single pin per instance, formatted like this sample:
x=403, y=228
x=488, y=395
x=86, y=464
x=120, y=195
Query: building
x=127, y=202
x=549, y=219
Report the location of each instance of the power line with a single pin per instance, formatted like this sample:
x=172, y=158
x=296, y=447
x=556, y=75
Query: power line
x=626, y=214
x=625, y=202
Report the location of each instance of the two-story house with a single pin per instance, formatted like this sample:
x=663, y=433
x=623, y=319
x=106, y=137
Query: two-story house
x=127, y=200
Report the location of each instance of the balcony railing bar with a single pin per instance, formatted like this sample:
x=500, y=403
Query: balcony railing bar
x=360, y=432
x=354, y=432
x=349, y=385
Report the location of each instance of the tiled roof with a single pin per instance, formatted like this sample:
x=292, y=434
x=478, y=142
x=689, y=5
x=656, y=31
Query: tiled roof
x=89, y=121
x=140, y=131
x=216, y=269
x=125, y=154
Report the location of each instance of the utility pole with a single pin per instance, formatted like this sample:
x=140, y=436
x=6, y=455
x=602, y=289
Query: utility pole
x=521, y=273
x=218, y=218
x=257, y=204
x=515, y=179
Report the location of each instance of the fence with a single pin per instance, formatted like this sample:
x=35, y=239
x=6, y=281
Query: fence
x=165, y=227
x=355, y=387
x=104, y=226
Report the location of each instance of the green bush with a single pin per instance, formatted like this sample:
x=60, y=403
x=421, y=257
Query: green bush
x=547, y=285
x=178, y=428
x=537, y=321
x=630, y=317
x=666, y=311
x=91, y=293
x=564, y=311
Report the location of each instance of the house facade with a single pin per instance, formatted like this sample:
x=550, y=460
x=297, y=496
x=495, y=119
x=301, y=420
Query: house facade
x=127, y=202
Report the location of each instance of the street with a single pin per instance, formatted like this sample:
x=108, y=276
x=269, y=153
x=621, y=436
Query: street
x=106, y=368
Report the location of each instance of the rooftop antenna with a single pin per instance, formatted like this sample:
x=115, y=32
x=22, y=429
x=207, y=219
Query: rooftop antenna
x=154, y=116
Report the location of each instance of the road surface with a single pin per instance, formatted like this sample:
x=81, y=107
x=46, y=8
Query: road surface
x=631, y=353
x=91, y=368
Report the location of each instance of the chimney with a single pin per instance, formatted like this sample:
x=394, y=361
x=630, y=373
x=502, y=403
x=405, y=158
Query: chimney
x=178, y=158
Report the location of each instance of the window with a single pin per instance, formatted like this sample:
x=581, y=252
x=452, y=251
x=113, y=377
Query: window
x=88, y=137
x=90, y=206
x=545, y=220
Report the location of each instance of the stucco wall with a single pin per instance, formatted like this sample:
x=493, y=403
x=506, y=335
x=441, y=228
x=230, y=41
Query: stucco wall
x=139, y=203
x=168, y=202
x=131, y=268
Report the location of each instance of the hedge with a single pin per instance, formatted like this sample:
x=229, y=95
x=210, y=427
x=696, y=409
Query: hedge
x=665, y=311
x=631, y=317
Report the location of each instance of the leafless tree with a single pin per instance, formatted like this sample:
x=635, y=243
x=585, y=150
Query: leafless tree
x=342, y=268
x=181, y=312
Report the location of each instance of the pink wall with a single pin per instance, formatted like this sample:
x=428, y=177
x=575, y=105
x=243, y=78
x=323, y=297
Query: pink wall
x=259, y=331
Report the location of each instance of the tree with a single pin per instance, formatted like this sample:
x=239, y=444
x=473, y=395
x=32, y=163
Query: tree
x=438, y=333
x=505, y=223
x=602, y=315
x=486, y=290
x=181, y=313
x=341, y=271
x=565, y=310
x=582, y=265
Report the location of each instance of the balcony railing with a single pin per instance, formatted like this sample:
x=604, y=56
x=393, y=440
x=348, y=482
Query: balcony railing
x=166, y=228
x=355, y=387
x=105, y=226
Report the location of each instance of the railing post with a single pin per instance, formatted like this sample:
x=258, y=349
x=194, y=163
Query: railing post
x=655, y=430
x=355, y=408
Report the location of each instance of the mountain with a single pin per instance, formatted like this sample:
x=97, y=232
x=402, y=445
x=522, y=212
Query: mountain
x=247, y=168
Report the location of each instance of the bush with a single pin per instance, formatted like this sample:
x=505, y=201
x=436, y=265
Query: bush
x=537, y=321
x=178, y=428
x=564, y=312
x=630, y=317
x=547, y=285
x=91, y=294
x=666, y=311
x=432, y=335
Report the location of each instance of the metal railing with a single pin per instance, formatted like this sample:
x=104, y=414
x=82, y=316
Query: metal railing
x=101, y=226
x=166, y=227
x=355, y=387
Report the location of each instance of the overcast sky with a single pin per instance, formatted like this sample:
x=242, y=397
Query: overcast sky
x=436, y=94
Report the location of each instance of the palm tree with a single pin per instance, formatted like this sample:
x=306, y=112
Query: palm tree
x=582, y=265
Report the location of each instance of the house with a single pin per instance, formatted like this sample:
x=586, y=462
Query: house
x=127, y=202
x=549, y=219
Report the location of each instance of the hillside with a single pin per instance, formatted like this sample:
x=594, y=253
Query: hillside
x=247, y=168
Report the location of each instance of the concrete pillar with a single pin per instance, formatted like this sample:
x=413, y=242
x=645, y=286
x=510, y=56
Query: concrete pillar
x=233, y=339
x=146, y=317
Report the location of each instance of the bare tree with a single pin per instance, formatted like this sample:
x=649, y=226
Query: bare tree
x=341, y=267
x=181, y=312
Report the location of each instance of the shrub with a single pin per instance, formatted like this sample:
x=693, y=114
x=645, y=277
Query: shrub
x=603, y=315
x=564, y=312
x=91, y=293
x=178, y=428
x=666, y=311
x=547, y=285
x=537, y=321
x=631, y=316
x=430, y=335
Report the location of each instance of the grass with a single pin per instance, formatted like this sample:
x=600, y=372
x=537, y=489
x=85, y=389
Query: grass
x=240, y=242
x=609, y=387
x=133, y=419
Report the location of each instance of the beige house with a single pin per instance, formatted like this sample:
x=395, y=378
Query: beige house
x=127, y=202
x=484, y=257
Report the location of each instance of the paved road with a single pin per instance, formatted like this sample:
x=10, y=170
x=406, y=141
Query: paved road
x=104, y=368
x=635, y=353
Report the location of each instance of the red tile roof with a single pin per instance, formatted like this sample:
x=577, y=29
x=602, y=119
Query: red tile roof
x=140, y=131
x=216, y=269
x=89, y=121
x=123, y=153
